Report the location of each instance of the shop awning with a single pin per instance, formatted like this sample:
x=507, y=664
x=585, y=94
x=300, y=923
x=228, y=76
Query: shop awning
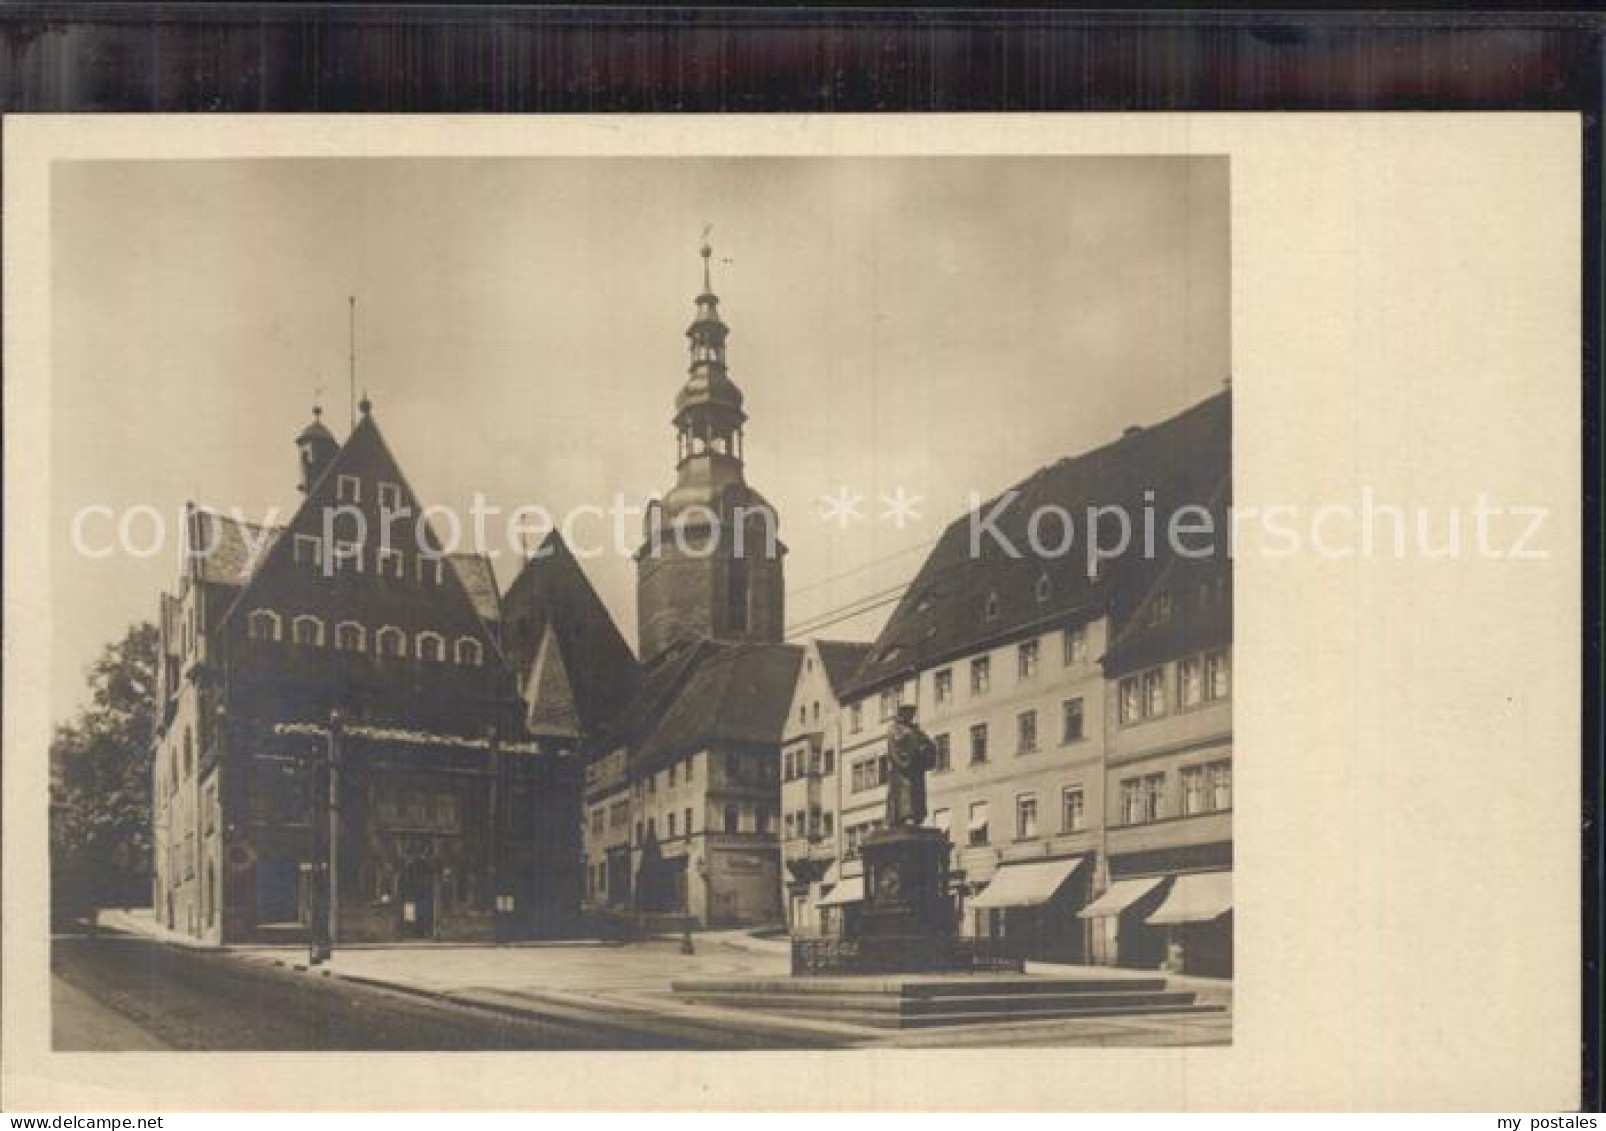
x=1122, y=894
x=1195, y=897
x=850, y=890
x=1027, y=883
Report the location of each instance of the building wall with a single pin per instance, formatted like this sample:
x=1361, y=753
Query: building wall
x=810, y=795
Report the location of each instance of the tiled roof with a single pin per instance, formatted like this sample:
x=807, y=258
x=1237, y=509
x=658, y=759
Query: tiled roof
x=841, y=659
x=552, y=590
x=712, y=693
x=480, y=581
x=959, y=601
x=224, y=546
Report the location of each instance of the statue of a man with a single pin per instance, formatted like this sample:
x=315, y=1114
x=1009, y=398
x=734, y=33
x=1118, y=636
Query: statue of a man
x=910, y=754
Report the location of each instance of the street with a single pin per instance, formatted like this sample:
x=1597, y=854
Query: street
x=120, y=992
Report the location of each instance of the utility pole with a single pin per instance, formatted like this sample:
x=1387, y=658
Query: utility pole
x=324, y=912
x=334, y=829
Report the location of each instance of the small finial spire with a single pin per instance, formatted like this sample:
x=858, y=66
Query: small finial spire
x=351, y=352
x=707, y=253
x=365, y=406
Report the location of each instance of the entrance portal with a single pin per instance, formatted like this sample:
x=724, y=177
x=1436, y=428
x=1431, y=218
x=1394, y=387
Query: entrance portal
x=416, y=894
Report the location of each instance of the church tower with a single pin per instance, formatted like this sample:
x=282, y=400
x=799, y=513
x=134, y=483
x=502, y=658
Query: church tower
x=711, y=563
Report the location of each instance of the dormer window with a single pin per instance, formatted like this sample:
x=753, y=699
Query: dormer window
x=307, y=630
x=431, y=647
x=990, y=610
x=1044, y=589
x=469, y=651
x=264, y=624
x=348, y=489
x=389, y=496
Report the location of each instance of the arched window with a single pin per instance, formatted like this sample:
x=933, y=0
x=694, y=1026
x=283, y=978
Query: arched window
x=432, y=647
x=307, y=630
x=469, y=651
x=391, y=642
x=263, y=624
x=351, y=637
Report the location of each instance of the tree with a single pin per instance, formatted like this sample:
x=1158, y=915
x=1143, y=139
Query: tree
x=100, y=781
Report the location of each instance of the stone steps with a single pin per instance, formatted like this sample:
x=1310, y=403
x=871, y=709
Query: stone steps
x=903, y=1003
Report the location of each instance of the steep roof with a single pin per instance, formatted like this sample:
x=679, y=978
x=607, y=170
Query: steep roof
x=841, y=660
x=962, y=599
x=553, y=593
x=479, y=580
x=725, y=692
x=227, y=551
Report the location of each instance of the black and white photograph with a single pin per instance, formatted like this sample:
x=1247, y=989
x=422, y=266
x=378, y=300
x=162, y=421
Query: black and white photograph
x=647, y=604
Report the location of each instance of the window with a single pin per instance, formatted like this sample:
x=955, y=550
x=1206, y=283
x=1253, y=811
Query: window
x=1221, y=784
x=1026, y=816
x=942, y=762
x=596, y=821
x=889, y=703
x=856, y=717
x=977, y=827
x=1190, y=682
x=878, y=771
x=431, y=647
x=688, y=820
x=674, y=768
x=1074, y=642
x=1044, y=589
x=308, y=550
x=830, y=762
x=390, y=643
x=990, y=609
x=346, y=557
x=263, y=624
x=827, y=824
x=1143, y=799
x=1153, y=693
x=1159, y=609
x=348, y=489
x=1206, y=789
x=732, y=819
x=943, y=685
x=431, y=570
x=350, y=637
x=941, y=819
x=672, y=833
x=469, y=651
x=1075, y=722
x=390, y=563
x=1142, y=696
x=307, y=630
x=981, y=675
x=639, y=832
x=1026, y=659
x=978, y=743
x=1026, y=732
x=1073, y=809
x=390, y=496
x=1217, y=675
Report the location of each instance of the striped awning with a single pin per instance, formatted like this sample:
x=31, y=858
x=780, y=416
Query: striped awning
x=1121, y=895
x=1027, y=883
x=1195, y=897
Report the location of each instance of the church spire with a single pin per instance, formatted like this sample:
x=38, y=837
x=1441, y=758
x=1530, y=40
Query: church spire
x=708, y=410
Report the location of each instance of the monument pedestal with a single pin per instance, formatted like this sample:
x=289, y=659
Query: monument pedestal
x=907, y=923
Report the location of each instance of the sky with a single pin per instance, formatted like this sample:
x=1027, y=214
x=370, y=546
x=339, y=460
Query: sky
x=937, y=325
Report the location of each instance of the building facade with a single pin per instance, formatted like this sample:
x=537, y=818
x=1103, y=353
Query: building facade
x=1081, y=715
x=810, y=785
x=348, y=645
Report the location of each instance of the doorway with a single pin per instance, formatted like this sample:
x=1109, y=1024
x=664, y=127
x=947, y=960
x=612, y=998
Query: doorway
x=416, y=895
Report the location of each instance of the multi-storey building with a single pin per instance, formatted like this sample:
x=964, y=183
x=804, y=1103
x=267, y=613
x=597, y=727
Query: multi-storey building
x=348, y=645
x=1022, y=663
x=810, y=785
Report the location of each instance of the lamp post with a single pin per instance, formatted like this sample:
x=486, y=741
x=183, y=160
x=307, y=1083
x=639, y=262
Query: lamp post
x=326, y=848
